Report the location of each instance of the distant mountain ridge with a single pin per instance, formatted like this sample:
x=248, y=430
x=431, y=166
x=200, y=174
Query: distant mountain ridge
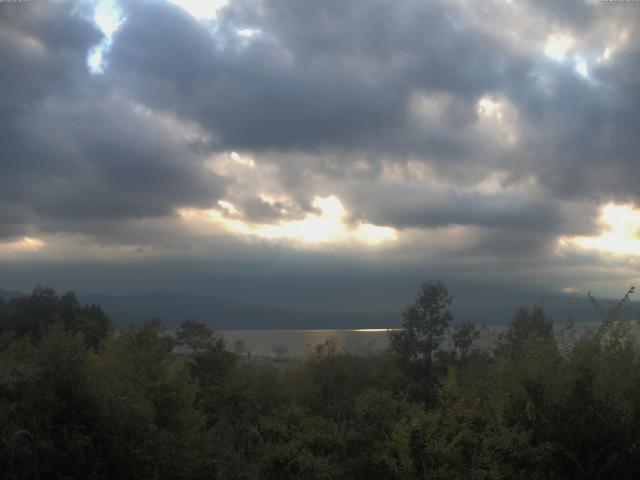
x=219, y=313
x=223, y=314
x=8, y=294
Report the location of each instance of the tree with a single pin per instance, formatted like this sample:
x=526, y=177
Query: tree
x=195, y=336
x=463, y=338
x=526, y=324
x=210, y=362
x=612, y=315
x=416, y=345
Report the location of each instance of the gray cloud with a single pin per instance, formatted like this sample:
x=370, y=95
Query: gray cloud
x=43, y=50
x=344, y=82
x=74, y=147
x=406, y=207
x=341, y=77
x=257, y=210
x=332, y=94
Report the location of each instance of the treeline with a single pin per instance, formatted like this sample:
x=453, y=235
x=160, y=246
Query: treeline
x=139, y=403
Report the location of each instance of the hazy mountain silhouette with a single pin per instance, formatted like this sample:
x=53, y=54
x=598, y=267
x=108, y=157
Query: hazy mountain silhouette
x=481, y=305
x=172, y=307
x=8, y=294
x=220, y=313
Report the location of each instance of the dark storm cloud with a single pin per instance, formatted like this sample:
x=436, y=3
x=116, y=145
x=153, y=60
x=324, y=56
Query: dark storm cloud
x=339, y=76
x=123, y=165
x=411, y=208
x=71, y=145
x=320, y=88
x=576, y=13
x=583, y=141
x=257, y=210
x=13, y=221
x=42, y=50
x=317, y=75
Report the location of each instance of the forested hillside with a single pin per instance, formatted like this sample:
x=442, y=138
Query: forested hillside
x=105, y=404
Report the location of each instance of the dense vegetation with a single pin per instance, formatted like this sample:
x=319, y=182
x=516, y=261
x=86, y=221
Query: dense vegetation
x=141, y=404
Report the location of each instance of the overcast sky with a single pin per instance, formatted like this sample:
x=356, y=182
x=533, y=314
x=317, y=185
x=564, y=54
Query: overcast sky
x=319, y=151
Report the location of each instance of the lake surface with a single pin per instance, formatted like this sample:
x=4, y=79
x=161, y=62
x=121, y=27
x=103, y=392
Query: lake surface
x=296, y=343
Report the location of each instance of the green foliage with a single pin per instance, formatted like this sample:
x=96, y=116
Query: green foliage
x=47, y=390
x=464, y=338
x=526, y=324
x=613, y=314
x=146, y=397
x=141, y=403
x=194, y=335
x=33, y=316
x=417, y=344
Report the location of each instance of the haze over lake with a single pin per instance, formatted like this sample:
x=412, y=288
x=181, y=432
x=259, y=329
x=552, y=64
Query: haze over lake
x=296, y=343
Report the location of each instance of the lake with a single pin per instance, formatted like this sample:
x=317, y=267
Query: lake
x=295, y=343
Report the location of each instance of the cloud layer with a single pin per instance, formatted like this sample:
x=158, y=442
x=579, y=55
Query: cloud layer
x=479, y=134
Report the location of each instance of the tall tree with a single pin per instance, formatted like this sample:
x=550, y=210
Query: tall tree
x=417, y=343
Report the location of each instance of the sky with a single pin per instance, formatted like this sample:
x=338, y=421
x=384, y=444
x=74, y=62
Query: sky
x=296, y=151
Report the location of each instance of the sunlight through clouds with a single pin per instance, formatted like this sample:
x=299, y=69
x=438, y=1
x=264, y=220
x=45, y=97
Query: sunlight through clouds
x=581, y=67
x=25, y=245
x=108, y=18
x=606, y=55
x=328, y=226
x=620, y=234
x=247, y=32
x=558, y=47
x=499, y=119
x=461, y=132
x=28, y=244
x=201, y=9
x=486, y=106
x=242, y=160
